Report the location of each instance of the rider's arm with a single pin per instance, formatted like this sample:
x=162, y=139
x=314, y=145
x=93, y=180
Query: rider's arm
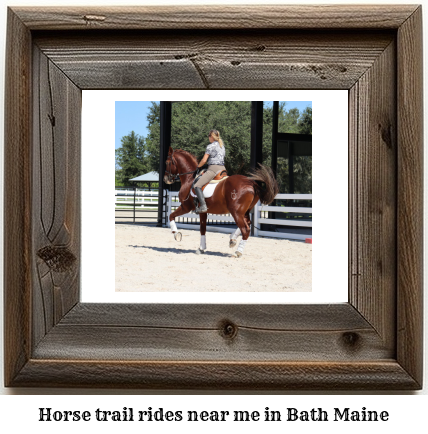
x=204, y=160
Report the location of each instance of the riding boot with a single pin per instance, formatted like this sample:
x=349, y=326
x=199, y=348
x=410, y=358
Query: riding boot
x=202, y=205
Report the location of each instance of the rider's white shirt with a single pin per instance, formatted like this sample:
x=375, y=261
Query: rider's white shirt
x=217, y=154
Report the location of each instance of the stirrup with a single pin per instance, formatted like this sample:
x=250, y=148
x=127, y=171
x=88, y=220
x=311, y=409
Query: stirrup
x=201, y=209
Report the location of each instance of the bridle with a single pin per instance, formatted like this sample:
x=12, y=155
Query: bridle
x=171, y=176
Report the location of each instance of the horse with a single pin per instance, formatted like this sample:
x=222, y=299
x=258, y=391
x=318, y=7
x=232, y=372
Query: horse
x=236, y=194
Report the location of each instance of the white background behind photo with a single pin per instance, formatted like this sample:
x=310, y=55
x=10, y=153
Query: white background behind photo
x=407, y=410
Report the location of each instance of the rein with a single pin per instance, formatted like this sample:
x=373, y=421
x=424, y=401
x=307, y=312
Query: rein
x=177, y=176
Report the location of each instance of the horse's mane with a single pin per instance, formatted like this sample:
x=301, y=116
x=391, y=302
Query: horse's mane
x=188, y=154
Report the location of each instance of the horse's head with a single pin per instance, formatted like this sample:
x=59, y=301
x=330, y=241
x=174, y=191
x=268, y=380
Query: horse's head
x=178, y=161
x=171, y=170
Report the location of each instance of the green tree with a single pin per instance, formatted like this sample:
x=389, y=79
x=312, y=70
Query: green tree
x=303, y=164
x=288, y=120
x=131, y=158
x=304, y=124
x=298, y=123
x=267, y=134
x=191, y=123
x=153, y=137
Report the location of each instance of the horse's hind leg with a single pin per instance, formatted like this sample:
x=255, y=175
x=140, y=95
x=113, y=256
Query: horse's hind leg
x=233, y=237
x=203, y=229
x=245, y=231
x=248, y=221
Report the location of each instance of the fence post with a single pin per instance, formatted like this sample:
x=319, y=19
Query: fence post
x=256, y=219
x=135, y=193
x=163, y=207
x=168, y=207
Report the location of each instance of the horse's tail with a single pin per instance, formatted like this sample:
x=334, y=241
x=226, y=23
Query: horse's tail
x=266, y=184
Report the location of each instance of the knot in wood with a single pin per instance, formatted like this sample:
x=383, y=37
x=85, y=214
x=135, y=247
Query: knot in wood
x=58, y=259
x=351, y=340
x=386, y=134
x=259, y=47
x=228, y=330
x=186, y=56
x=94, y=18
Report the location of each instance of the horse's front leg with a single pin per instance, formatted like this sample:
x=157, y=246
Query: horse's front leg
x=177, y=213
x=233, y=237
x=203, y=229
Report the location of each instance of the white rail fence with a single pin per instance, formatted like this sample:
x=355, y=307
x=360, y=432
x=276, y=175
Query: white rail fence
x=124, y=199
x=259, y=216
x=261, y=210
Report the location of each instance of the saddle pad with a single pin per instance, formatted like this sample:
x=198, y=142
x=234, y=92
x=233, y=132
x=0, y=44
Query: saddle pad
x=209, y=188
x=216, y=181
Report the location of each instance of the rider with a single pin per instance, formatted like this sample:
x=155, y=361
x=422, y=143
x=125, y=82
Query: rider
x=214, y=157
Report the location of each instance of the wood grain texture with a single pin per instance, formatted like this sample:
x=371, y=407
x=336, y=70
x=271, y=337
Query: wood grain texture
x=210, y=316
x=373, y=174
x=372, y=342
x=56, y=194
x=17, y=199
x=216, y=375
x=207, y=60
x=217, y=17
x=197, y=332
x=410, y=196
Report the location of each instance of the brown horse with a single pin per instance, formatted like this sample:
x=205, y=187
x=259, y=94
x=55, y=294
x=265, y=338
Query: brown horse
x=237, y=195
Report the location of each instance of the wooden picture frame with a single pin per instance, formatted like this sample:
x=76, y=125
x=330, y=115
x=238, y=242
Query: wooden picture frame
x=372, y=342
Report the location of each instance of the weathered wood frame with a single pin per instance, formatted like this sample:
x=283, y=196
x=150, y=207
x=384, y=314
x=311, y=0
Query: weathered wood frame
x=372, y=342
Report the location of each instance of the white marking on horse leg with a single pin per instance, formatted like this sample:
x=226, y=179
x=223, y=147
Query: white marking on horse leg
x=173, y=226
x=241, y=247
x=233, y=237
x=202, y=245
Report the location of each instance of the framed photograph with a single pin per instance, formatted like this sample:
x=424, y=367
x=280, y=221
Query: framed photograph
x=280, y=266
x=371, y=341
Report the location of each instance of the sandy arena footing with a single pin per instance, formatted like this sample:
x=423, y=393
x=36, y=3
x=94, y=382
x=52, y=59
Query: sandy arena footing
x=149, y=259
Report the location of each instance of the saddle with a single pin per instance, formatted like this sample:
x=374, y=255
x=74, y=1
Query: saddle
x=221, y=176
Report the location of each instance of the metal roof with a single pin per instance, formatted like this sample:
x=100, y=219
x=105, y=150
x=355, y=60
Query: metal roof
x=148, y=177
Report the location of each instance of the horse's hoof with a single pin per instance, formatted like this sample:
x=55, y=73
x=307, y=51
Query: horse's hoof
x=199, y=252
x=177, y=236
x=232, y=243
x=238, y=254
